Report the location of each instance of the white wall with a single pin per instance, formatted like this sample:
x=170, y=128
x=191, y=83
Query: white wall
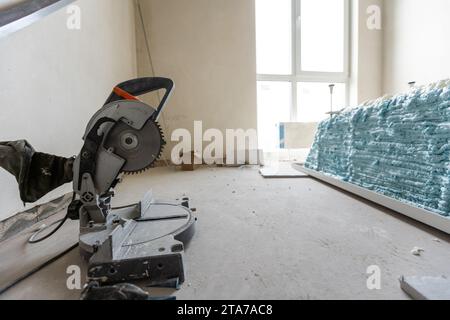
x=208, y=48
x=417, y=42
x=54, y=79
x=366, y=54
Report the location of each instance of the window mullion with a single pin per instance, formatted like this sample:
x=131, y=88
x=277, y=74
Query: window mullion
x=347, y=17
x=296, y=58
x=294, y=37
x=297, y=36
x=294, y=112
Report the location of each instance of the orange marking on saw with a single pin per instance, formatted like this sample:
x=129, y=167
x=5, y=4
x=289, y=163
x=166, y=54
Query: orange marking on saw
x=122, y=93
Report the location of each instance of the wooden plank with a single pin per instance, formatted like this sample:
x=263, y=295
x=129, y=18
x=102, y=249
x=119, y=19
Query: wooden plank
x=425, y=216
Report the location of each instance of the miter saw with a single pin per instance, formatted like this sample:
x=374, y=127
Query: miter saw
x=140, y=241
x=144, y=240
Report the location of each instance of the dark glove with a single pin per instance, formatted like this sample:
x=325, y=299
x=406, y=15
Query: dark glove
x=36, y=173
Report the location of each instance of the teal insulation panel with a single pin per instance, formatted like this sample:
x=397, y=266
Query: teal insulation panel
x=397, y=146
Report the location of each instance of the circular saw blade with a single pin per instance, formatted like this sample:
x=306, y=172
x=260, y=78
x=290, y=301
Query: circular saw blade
x=140, y=148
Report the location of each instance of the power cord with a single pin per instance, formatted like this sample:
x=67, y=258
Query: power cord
x=60, y=223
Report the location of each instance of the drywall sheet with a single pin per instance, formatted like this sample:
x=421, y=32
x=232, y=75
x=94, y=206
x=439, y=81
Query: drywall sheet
x=396, y=146
x=281, y=170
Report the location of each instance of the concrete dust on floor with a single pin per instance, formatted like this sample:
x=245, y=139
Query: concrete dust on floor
x=262, y=238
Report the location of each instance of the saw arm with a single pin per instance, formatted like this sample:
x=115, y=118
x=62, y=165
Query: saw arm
x=122, y=137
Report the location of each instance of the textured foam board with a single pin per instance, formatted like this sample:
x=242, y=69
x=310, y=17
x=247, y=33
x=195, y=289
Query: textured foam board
x=396, y=146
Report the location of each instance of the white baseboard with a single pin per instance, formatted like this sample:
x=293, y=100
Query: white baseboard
x=427, y=217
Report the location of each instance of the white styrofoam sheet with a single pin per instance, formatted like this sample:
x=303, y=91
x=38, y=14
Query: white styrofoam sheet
x=427, y=217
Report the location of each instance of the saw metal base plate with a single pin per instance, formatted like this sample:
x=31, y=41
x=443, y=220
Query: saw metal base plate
x=149, y=248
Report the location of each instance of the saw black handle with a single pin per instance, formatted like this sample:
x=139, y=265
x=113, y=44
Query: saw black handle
x=141, y=86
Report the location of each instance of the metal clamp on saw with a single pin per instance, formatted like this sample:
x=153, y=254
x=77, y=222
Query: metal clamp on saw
x=144, y=240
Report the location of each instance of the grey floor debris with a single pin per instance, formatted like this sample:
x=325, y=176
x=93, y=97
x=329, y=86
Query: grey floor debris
x=289, y=239
x=417, y=251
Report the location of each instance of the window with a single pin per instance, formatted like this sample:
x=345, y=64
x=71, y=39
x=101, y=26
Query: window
x=315, y=96
x=274, y=37
x=274, y=107
x=302, y=48
x=322, y=35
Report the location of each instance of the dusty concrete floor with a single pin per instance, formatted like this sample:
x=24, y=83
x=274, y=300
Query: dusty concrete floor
x=274, y=239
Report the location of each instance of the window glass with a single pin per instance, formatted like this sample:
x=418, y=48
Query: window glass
x=274, y=36
x=314, y=100
x=322, y=35
x=274, y=106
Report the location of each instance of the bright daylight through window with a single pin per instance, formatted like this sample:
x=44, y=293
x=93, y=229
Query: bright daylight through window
x=302, y=48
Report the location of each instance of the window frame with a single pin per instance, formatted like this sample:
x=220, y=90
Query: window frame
x=297, y=74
